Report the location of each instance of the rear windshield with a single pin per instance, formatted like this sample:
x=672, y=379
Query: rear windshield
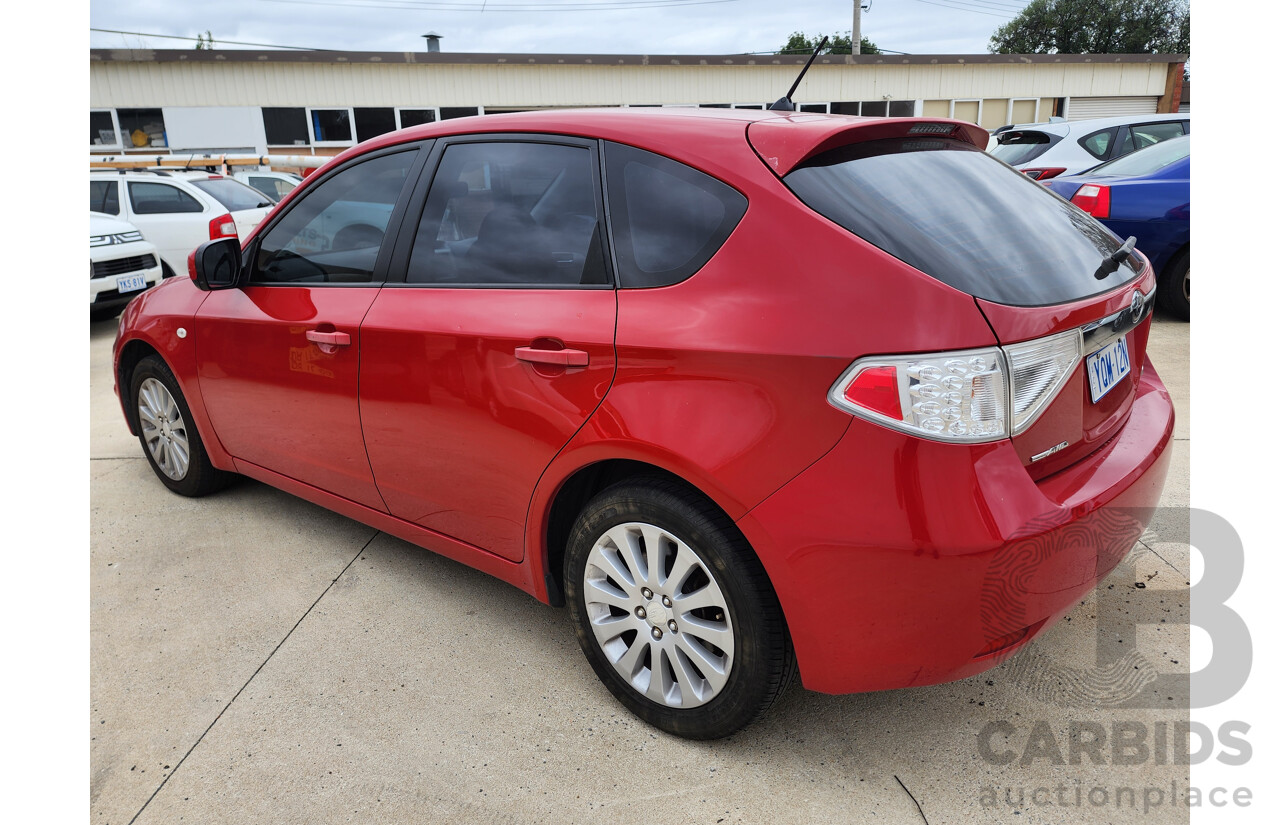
x=951, y=211
x=1019, y=147
x=232, y=194
x=1146, y=161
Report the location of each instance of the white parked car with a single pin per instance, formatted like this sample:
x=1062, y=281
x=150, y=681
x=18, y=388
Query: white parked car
x=178, y=211
x=1047, y=150
x=121, y=265
x=274, y=185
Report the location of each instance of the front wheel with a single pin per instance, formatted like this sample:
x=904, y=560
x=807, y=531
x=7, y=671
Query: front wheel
x=674, y=611
x=168, y=434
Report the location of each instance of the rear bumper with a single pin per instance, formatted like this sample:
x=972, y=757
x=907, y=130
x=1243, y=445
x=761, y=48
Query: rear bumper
x=899, y=561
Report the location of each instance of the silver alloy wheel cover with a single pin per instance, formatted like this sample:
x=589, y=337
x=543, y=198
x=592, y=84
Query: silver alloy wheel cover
x=163, y=430
x=624, y=561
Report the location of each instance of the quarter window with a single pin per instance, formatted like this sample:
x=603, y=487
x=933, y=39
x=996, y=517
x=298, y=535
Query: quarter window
x=161, y=199
x=1098, y=143
x=510, y=213
x=668, y=219
x=334, y=232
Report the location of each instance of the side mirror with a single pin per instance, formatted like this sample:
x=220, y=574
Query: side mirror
x=215, y=264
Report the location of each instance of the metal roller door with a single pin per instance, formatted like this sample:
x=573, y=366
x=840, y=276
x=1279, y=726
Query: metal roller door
x=1085, y=108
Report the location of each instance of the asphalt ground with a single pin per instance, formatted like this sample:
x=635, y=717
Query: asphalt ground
x=255, y=658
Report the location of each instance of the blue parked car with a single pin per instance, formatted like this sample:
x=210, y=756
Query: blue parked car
x=1148, y=195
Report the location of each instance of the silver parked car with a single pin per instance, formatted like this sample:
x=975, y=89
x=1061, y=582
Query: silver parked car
x=1047, y=150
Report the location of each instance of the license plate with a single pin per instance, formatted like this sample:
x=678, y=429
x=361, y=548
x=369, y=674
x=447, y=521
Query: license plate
x=1107, y=367
x=131, y=283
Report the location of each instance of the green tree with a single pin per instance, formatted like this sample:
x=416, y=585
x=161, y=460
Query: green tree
x=1097, y=27
x=205, y=40
x=798, y=43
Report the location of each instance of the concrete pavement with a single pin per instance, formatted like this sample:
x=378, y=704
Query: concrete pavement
x=259, y=659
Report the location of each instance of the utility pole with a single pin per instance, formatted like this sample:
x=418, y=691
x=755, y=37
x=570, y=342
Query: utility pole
x=855, y=38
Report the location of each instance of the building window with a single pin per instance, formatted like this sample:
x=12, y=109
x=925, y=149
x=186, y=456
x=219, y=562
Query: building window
x=416, y=117
x=102, y=129
x=902, y=108
x=142, y=128
x=373, y=122
x=844, y=107
x=449, y=112
x=331, y=126
x=286, y=126
x=813, y=107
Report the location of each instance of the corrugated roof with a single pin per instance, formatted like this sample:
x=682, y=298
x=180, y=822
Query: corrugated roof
x=482, y=58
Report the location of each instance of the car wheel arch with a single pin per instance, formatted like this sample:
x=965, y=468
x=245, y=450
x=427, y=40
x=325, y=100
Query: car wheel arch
x=130, y=355
x=569, y=498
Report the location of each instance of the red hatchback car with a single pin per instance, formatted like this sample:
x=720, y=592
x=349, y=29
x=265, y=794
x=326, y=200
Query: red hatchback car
x=750, y=392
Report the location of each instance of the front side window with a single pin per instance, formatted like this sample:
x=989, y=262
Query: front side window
x=104, y=196
x=510, y=213
x=333, y=233
x=668, y=219
x=160, y=199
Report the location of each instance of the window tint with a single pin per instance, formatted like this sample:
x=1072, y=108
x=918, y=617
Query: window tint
x=160, y=199
x=104, y=196
x=285, y=126
x=668, y=219
x=1098, y=143
x=333, y=233
x=331, y=125
x=1019, y=147
x=102, y=132
x=1146, y=161
x=953, y=212
x=372, y=122
x=232, y=194
x=1149, y=134
x=416, y=117
x=275, y=188
x=510, y=213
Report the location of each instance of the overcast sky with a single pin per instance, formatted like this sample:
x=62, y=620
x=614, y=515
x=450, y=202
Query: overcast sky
x=696, y=27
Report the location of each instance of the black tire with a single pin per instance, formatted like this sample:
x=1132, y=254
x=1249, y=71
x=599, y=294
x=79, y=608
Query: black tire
x=1174, y=291
x=101, y=314
x=199, y=477
x=762, y=662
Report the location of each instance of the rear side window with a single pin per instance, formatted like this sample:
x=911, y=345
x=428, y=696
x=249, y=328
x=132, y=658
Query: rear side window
x=668, y=219
x=104, y=196
x=1146, y=161
x=1098, y=143
x=232, y=194
x=1149, y=134
x=1019, y=147
x=161, y=199
x=272, y=187
x=951, y=211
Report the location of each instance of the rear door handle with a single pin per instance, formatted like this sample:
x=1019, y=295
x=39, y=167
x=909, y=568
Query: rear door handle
x=555, y=357
x=337, y=339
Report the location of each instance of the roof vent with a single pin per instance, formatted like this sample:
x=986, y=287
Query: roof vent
x=433, y=41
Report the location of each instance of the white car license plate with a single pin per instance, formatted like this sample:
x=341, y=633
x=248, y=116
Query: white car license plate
x=1107, y=367
x=131, y=283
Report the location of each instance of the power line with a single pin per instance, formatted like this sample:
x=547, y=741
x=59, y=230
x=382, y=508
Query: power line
x=962, y=8
x=196, y=39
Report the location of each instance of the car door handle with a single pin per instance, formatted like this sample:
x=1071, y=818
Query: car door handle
x=556, y=357
x=336, y=339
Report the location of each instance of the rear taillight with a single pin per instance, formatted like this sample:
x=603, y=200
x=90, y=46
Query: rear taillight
x=1094, y=199
x=967, y=396
x=1043, y=172
x=223, y=226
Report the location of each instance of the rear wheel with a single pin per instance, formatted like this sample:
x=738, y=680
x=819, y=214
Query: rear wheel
x=168, y=434
x=674, y=611
x=1174, y=293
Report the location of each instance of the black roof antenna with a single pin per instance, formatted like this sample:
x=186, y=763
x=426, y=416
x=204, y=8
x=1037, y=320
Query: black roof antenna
x=784, y=104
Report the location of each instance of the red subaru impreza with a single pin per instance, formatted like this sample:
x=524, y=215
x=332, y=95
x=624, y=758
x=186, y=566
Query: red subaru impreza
x=750, y=392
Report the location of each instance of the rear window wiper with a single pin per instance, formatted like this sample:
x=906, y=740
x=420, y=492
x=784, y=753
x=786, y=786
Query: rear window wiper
x=1112, y=262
